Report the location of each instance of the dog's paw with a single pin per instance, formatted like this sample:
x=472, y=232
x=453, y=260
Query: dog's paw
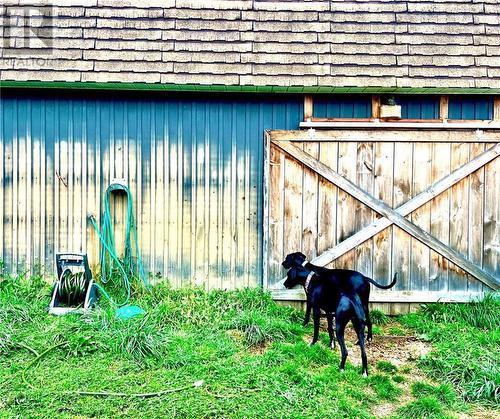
x=365, y=374
x=332, y=345
x=312, y=342
x=369, y=338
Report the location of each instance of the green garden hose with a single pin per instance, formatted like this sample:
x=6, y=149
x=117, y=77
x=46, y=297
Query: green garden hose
x=127, y=268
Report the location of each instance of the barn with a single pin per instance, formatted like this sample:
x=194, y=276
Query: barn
x=363, y=133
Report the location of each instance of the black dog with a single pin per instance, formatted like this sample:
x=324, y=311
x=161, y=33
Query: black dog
x=351, y=282
x=322, y=294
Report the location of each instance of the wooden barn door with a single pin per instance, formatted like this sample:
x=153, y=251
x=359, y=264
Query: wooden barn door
x=421, y=203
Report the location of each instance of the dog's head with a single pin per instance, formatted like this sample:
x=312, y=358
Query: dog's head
x=296, y=276
x=294, y=260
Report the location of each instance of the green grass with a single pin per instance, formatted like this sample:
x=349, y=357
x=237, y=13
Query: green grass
x=386, y=366
x=424, y=408
x=443, y=392
x=378, y=317
x=383, y=387
x=250, y=353
x=466, y=338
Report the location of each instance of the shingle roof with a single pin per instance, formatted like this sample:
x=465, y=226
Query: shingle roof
x=432, y=43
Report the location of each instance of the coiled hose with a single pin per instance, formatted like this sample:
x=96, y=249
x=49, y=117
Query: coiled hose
x=127, y=267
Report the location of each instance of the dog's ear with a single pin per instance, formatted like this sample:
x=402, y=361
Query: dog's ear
x=287, y=263
x=299, y=257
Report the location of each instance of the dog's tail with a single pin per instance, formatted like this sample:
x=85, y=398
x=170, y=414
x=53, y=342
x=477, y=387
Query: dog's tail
x=384, y=287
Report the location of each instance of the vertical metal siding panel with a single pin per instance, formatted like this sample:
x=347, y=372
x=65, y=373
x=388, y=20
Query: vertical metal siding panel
x=8, y=180
x=213, y=210
x=92, y=165
x=342, y=106
x=78, y=200
x=172, y=117
x=37, y=193
x=144, y=168
x=2, y=181
x=416, y=107
x=186, y=186
x=195, y=175
x=50, y=179
x=159, y=198
x=467, y=107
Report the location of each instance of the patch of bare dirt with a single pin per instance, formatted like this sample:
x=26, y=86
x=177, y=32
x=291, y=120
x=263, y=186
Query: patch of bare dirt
x=398, y=350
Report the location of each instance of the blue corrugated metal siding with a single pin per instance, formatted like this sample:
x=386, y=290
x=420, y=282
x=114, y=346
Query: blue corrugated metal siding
x=419, y=107
x=194, y=166
x=342, y=106
x=470, y=107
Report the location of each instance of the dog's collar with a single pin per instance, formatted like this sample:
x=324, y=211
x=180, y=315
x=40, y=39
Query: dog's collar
x=305, y=262
x=308, y=281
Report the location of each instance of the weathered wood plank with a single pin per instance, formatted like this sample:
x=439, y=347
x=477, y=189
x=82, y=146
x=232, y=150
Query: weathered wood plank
x=496, y=108
x=388, y=212
x=308, y=107
x=346, y=217
x=310, y=205
x=397, y=297
x=438, y=135
x=491, y=256
x=440, y=220
x=476, y=196
x=364, y=215
x=293, y=201
x=375, y=106
x=276, y=211
x=401, y=242
x=401, y=247
x=327, y=198
x=459, y=210
x=267, y=247
x=420, y=253
x=443, y=107
x=384, y=177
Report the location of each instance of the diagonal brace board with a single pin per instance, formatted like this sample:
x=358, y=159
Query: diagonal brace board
x=389, y=213
x=407, y=208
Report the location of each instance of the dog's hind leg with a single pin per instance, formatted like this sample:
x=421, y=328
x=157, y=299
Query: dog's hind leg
x=316, y=315
x=369, y=338
x=308, y=312
x=340, y=326
x=359, y=326
x=331, y=333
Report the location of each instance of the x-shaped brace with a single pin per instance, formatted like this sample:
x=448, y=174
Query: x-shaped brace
x=397, y=216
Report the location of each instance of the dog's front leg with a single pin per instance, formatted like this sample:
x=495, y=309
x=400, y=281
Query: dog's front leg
x=331, y=333
x=316, y=315
x=308, y=312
